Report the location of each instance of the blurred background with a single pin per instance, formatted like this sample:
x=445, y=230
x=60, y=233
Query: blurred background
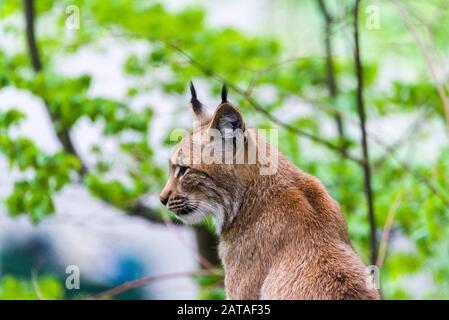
x=91, y=90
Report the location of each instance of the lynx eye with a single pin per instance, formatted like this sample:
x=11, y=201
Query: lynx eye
x=180, y=171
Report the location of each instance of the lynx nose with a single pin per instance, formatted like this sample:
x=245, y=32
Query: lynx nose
x=165, y=193
x=163, y=200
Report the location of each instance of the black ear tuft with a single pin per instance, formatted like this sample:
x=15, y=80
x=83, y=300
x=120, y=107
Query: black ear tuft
x=192, y=92
x=224, y=93
x=196, y=104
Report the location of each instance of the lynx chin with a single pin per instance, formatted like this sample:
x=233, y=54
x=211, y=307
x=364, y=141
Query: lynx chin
x=282, y=236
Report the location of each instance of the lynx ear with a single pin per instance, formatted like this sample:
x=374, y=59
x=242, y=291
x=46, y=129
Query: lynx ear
x=227, y=119
x=200, y=114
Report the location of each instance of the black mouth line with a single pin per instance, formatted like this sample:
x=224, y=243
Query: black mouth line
x=185, y=211
x=181, y=206
x=177, y=207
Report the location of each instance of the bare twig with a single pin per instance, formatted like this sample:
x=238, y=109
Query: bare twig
x=150, y=280
x=437, y=56
x=427, y=57
x=418, y=176
x=387, y=229
x=389, y=151
x=259, y=72
x=362, y=116
x=407, y=137
x=330, y=68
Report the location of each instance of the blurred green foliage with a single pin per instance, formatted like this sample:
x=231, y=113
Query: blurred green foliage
x=49, y=173
x=44, y=288
x=181, y=45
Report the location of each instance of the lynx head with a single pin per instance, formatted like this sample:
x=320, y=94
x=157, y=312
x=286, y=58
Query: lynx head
x=211, y=167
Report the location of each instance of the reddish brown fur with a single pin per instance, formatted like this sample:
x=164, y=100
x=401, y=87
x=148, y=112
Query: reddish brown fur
x=287, y=239
x=291, y=243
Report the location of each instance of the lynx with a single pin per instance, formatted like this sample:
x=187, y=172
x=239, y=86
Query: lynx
x=281, y=235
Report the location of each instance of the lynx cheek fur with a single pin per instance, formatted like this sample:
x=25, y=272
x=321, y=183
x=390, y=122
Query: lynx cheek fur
x=282, y=236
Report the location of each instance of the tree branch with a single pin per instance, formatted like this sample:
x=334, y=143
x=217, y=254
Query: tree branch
x=138, y=209
x=150, y=280
x=62, y=134
x=31, y=39
x=326, y=15
x=362, y=117
x=407, y=137
x=387, y=229
x=330, y=68
x=389, y=151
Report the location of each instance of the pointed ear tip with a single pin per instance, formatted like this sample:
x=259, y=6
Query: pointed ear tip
x=194, y=97
x=224, y=93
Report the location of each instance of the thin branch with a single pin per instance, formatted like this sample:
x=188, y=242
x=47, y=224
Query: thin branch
x=259, y=72
x=390, y=152
x=418, y=176
x=342, y=151
x=362, y=116
x=427, y=57
x=138, y=209
x=407, y=137
x=31, y=39
x=327, y=16
x=437, y=56
x=62, y=134
x=387, y=229
x=331, y=81
x=150, y=280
